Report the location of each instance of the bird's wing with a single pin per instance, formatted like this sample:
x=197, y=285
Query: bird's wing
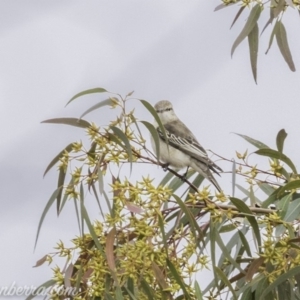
x=181, y=138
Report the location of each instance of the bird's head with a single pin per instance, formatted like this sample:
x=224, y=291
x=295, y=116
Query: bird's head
x=164, y=109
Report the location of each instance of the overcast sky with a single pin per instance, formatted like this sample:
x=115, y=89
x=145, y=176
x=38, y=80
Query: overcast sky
x=175, y=50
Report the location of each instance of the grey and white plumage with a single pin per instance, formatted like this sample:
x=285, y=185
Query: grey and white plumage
x=184, y=150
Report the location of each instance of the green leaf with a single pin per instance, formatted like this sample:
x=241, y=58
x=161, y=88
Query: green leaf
x=147, y=289
x=69, y=121
x=277, y=155
x=87, y=92
x=166, y=179
x=295, y=184
x=77, y=214
x=225, y=251
x=48, y=205
x=65, y=198
x=121, y=135
x=242, y=207
x=154, y=135
x=283, y=205
x=266, y=188
x=100, y=181
x=293, y=211
x=237, y=15
x=198, y=292
x=222, y=5
x=178, y=279
x=91, y=228
x=252, y=141
x=57, y=157
x=283, y=277
x=233, y=177
x=245, y=242
x=225, y=280
x=193, y=224
x=152, y=111
x=108, y=101
x=253, y=50
x=283, y=45
x=275, y=28
x=42, y=287
x=281, y=136
x=60, y=184
x=253, y=17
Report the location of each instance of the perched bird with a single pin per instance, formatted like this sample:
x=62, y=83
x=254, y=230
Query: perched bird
x=184, y=150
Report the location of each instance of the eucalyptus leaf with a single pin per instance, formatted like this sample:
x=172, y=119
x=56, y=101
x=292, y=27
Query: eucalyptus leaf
x=253, y=50
x=253, y=17
x=283, y=45
x=69, y=121
x=277, y=155
x=87, y=92
x=57, y=157
x=281, y=136
x=106, y=102
x=252, y=141
x=47, y=207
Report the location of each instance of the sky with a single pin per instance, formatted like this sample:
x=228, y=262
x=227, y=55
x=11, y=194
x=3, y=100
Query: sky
x=175, y=50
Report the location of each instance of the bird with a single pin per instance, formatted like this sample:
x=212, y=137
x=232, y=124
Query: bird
x=183, y=149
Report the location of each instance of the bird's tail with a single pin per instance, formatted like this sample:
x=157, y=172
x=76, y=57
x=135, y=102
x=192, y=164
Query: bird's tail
x=205, y=172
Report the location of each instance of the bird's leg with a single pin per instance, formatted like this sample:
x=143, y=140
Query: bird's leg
x=185, y=174
x=165, y=166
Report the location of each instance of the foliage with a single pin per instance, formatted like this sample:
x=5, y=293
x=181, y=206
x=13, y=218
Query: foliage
x=277, y=9
x=154, y=240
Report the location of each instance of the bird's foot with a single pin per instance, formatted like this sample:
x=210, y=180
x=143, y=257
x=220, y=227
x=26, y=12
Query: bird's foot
x=165, y=166
x=183, y=176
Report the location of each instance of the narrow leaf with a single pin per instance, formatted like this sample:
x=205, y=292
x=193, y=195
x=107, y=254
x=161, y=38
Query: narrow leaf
x=277, y=155
x=242, y=207
x=178, y=279
x=245, y=243
x=87, y=92
x=253, y=50
x=225, y=251
x=91, y=228
x=100, y=181
x=253, y=268
x=60, y=184
x=283, y=45
x=57, y=157
x=108, y=101
x=48, y=205
x=42, y=287
x=109, y=250
x=293, y=211
x=198, y=292
x=283, y=277
x=225, y=280
x=281, y=136
x=121, y=135
x=41, y=261
x=152, y=111
x=237, y=15
x=154, y=135
x=221, y=6
x=69, y=121
x=68, y=275
x=252, y=141
x=233, y=177
x=275, y=28
x=253, y=17
x=159, y=276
